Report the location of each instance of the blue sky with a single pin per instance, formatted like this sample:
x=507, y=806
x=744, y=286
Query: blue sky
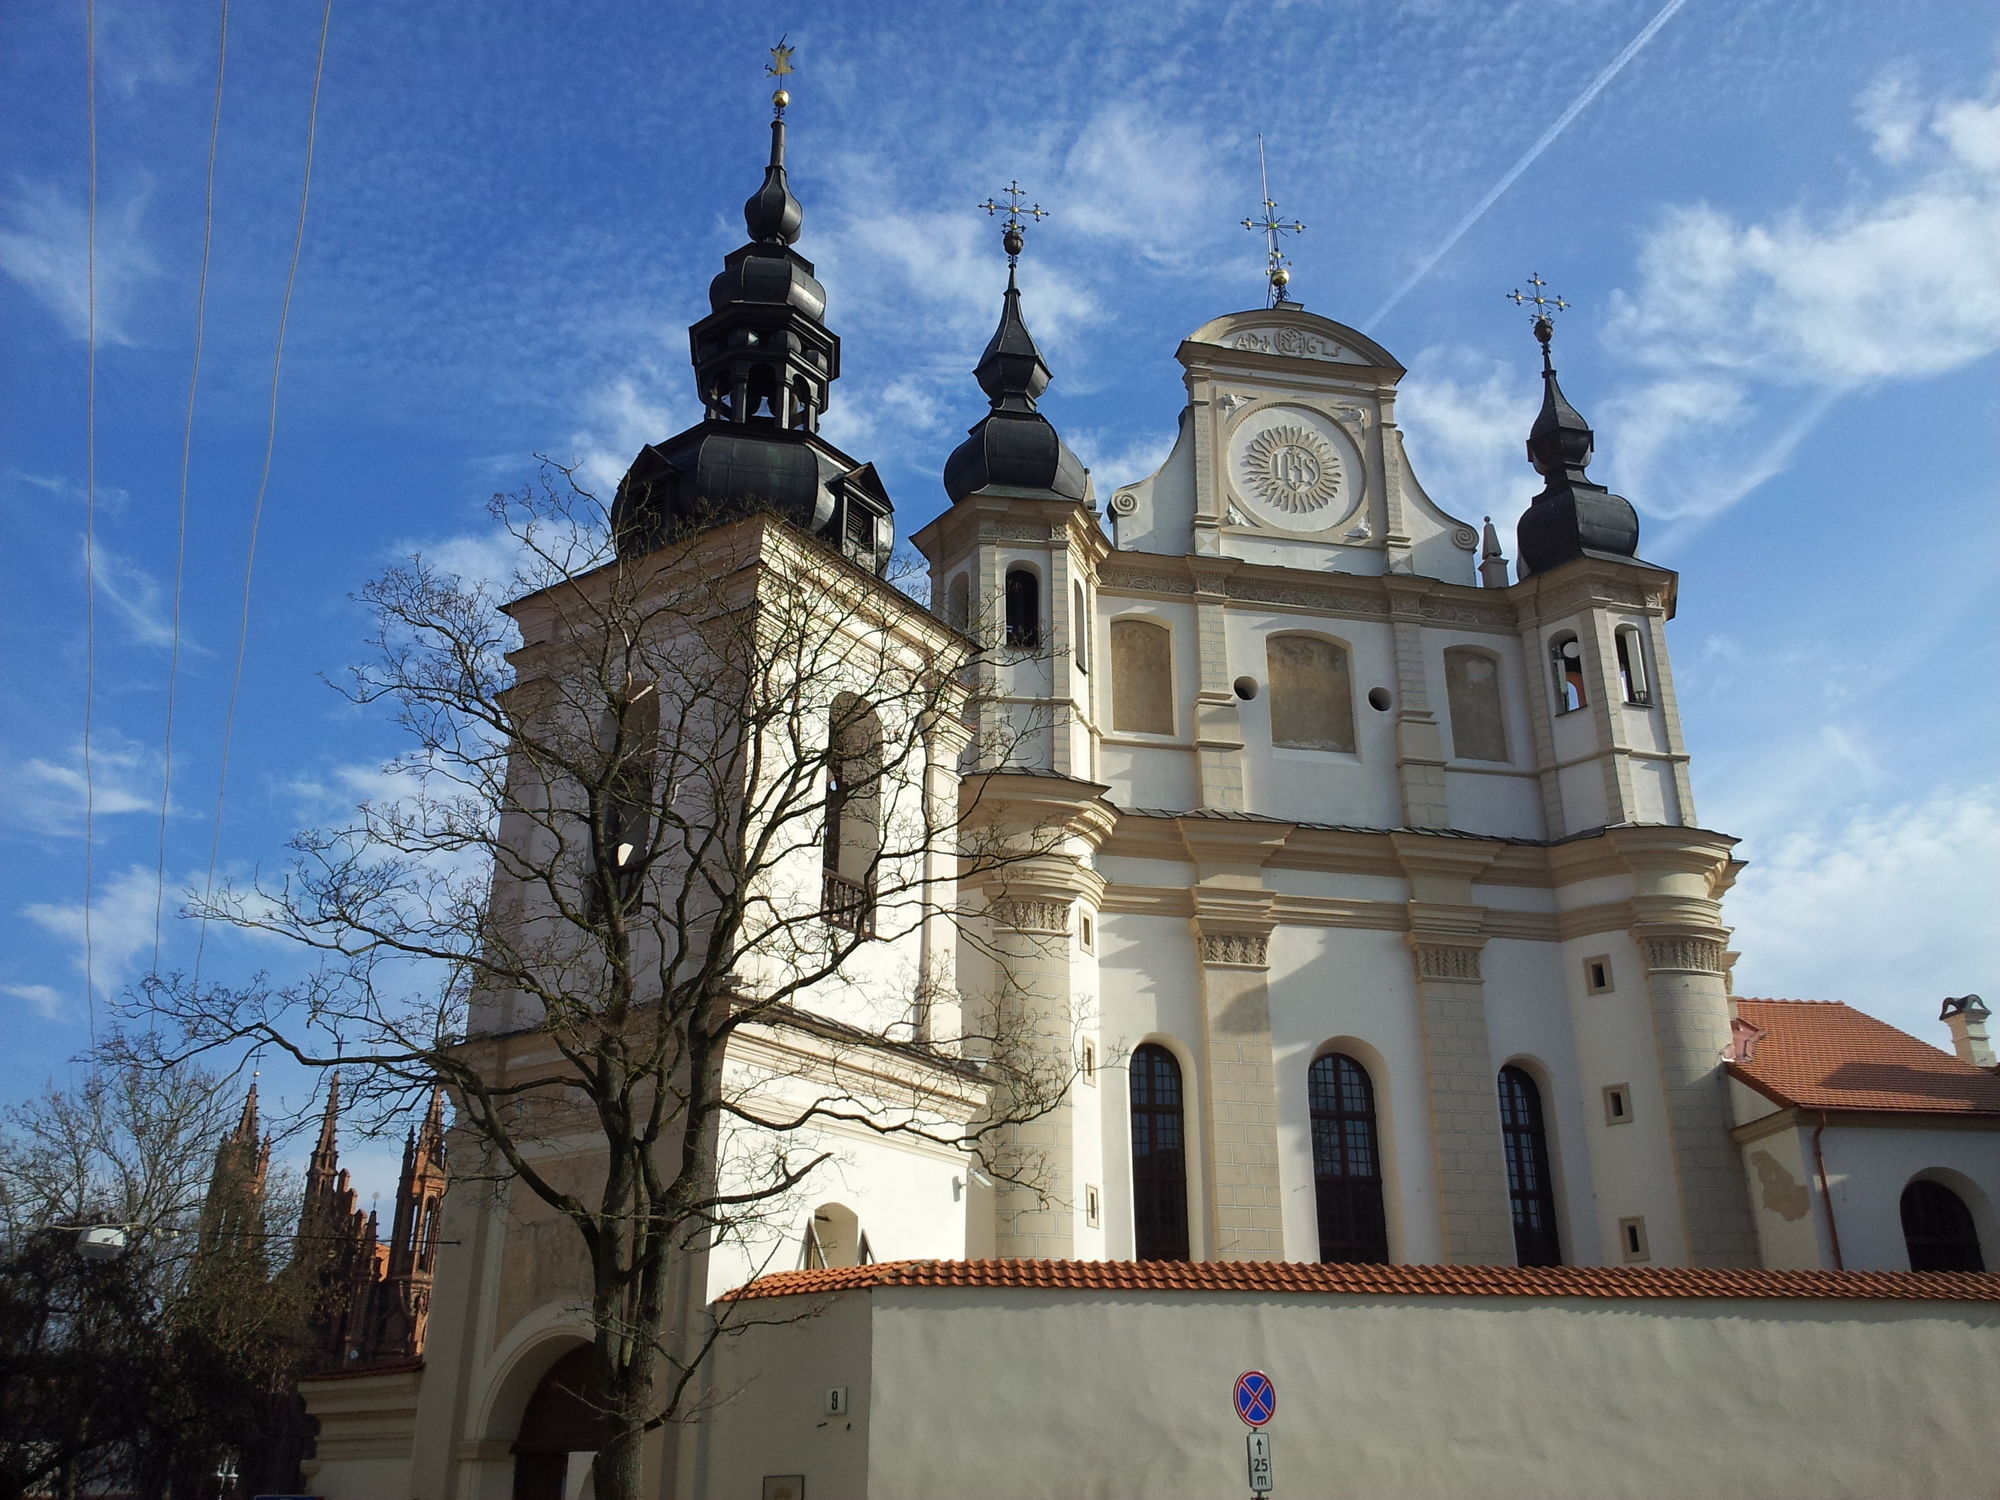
x=1779, y=224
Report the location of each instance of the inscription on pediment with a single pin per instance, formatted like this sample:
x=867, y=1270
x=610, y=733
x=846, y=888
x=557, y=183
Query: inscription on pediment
x=1294, y=343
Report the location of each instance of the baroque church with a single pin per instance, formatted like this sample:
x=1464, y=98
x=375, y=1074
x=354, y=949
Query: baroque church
x=1392, y=959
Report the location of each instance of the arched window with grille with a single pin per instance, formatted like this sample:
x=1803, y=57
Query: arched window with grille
x=1938, y=1229
x=1347, y=1161
x=1079, y=630
x=1159, y=1156
x=853, y=831
x=1531, y=1188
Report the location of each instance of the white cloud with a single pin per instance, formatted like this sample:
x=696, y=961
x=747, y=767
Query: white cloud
x=42, y=999
x=43, y=247
x=1755, y=329
x=1114, y=459
x=1466, y=417
x=47, y=796
x=121, y=926
x=137, y=597
x=1888, y=908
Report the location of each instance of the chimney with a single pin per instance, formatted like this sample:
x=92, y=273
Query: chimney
x=1966, y=1016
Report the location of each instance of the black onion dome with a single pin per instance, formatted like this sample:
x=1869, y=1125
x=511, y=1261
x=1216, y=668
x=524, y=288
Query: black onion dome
x=764, y=363
x=1013, y=445
x=1572, y=517
x=771, y=214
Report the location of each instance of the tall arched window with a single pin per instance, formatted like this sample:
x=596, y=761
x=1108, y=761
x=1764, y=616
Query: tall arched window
x=630, y=738
x=1312, y=693
x=1159, y=1157
x=1632, y=665
x=1347, y=1161
x=1530, y=1185
x=1142, y=677
x=1566, y=672
x=853, y=833
x=1472, y=694
x=1079, y=631
x=1024, y=609
x=958, y=603
x=1938, y=1229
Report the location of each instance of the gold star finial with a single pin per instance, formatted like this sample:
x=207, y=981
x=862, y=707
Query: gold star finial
x=779, y=65
x=1277, y=269
x=1014, y=234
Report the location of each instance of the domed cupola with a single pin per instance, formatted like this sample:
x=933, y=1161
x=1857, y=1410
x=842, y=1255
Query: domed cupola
x=1013, y=446
x=1572, y=517
x=764, y=363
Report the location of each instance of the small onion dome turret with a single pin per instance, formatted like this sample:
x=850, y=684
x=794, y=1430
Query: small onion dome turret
x=1013, y=446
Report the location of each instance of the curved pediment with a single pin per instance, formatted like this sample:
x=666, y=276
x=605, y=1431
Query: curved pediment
x=1288, y=331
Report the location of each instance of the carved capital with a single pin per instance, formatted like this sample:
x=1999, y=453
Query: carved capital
x=1688, y=955
x=1031, y=915
x=1446, y=961
x=1243, y=950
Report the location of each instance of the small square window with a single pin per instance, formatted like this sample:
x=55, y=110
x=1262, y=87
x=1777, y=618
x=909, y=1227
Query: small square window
x=1597, y=975
x=1091, y=1212
x=1087, y=933
x=1617, y=1103
x=1632, y=1239
x=1086, y=1063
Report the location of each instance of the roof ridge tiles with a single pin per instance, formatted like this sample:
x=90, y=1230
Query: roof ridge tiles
x=1296, y=1277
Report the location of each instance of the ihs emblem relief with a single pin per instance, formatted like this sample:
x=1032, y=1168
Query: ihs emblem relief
x=1292, y=469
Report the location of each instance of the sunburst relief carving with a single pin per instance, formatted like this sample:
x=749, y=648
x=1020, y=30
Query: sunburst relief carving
x=1293, y=469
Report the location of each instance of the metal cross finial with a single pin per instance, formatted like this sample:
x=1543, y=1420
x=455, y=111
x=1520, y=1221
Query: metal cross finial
x=779, y=65
x=1545, y=307
x=1014, y=234
x=1277, y=269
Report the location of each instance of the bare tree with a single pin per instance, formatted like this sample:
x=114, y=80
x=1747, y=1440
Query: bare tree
x=138, y=1370
x=680, y=871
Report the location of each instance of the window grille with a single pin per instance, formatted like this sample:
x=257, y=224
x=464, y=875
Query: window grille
x=1530, y=1185
x=1159, y=1157
x=1347, y=1161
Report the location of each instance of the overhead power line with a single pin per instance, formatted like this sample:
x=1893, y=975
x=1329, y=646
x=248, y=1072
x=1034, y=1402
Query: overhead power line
x=90, y=515
x=187, y=451
x=264, y=477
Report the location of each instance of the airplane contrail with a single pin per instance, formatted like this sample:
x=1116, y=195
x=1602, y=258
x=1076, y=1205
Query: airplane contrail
x=1542, y=143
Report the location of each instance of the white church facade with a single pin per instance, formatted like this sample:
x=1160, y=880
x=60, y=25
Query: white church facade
x=1392, y=961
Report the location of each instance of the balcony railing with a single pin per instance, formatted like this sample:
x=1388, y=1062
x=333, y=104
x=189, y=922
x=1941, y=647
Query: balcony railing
x=847, y=904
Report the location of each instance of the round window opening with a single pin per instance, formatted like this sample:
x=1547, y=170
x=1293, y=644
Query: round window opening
x=1378, y=699
x=1246, y=688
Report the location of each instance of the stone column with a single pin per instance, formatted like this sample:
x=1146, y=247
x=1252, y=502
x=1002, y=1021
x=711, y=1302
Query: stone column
x=1035, y=1217
x=1218, y=727
x=1239, y=1093
x=1475, y=1218
x=1690, y=1005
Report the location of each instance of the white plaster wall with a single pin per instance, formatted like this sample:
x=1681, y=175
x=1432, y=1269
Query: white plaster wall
x=1020, y=1394
x=1785, y=1202
x=1654, y=799
x=902, y=1192
x=1581, y=788
x=1356, y=990
x=1868, y=1167
x=1631, y=1164
x=1320, y=786
x=768, y=1386
x=1149, y=990
x=1164, y=519
x=1528, y=1019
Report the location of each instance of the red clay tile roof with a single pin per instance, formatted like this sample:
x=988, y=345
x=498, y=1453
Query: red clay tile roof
x=1821, y=1054
x=1356, y=1280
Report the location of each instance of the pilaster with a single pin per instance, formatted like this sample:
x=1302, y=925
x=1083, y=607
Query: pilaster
x=1232, y=925
x=1446, y=936
x=1420, y=757
x=1218, y=727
